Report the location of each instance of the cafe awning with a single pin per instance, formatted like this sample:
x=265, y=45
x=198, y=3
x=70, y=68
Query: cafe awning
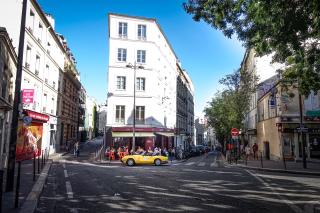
x=130, y=134
x=167, y=134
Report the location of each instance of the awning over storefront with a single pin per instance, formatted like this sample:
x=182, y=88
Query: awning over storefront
x=167, y=134
x=130, y=134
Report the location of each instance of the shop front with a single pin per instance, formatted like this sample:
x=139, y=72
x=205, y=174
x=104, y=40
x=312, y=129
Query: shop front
x=30, y=135
x=145, y=138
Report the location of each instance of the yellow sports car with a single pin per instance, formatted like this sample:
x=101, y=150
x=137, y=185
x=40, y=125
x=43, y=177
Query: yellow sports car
x=134, y=159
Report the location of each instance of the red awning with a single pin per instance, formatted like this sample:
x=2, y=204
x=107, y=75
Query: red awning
x=37, y=116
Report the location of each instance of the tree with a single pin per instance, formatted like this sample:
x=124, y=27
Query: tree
x=288, y=28
x=228, y=108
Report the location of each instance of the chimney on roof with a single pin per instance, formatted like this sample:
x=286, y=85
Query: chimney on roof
x=51, y=20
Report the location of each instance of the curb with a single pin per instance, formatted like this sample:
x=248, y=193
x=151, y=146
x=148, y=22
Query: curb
x=31, y=202
x=281, y=170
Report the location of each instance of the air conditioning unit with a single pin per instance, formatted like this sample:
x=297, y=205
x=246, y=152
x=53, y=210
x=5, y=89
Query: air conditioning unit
x=48, y=51
x=37, y=72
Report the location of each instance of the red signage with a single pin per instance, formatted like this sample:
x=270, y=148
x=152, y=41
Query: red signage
x=37, y=116
x=234, y=132
x=27, y=96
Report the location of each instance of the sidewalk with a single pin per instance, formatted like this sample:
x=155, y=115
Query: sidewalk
x=26, y=185
x=313, y=168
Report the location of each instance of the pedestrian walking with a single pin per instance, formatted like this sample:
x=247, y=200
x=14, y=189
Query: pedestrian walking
x=255, y=151
x=247, y=151
x=76, y=149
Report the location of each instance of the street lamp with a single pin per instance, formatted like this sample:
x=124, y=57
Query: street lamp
x=134, y=67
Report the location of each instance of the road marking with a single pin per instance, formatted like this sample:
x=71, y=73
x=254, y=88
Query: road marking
x=65, y=174
x=288, y=202
x=214, y=164
x=190, y=163
x=69, y=190
x=202, y=164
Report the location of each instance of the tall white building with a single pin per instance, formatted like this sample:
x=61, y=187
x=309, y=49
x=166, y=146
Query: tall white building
x=43, y=62
x=140, y=41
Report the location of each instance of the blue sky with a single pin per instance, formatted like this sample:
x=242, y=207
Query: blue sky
x=203, y=51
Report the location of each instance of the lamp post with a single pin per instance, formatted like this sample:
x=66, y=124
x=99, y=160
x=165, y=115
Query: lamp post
x=134, y=67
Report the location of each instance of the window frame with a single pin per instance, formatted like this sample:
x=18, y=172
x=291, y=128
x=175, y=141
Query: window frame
x=122, y=55
x=123, y=29
x=120, y=114
x=141, y=56
x=121, y=82
x=142, y=32
x=140, y=110
x=141, y=84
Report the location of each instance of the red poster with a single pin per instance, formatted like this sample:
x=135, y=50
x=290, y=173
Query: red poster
x=27, y=96
x=29, y=140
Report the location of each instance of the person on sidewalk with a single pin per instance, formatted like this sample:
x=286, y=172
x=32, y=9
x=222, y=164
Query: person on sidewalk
x=76, y=149
x=255, y=151
x=247, y=151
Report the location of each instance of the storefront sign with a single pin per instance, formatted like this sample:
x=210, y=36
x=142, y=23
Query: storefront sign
x=29, y=141
x=37, y=116
x=27, y=96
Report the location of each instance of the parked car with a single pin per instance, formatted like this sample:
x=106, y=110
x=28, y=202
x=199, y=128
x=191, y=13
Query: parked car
x=136, y=159
x=200, y=148
x=194, y=151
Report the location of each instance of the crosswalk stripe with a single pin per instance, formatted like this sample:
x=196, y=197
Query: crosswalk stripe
x=214, y=164
x=202, y=164
x=190, y=163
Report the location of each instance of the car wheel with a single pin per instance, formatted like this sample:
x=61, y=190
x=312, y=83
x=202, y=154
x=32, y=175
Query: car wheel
x=157, y=162
x=130, y=162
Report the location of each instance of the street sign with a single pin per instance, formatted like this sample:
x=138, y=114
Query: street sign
x=303, y=129
x=234, y=132
x=27, y=96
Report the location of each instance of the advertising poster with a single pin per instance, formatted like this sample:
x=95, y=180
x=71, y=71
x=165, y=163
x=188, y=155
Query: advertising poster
x=29, y=140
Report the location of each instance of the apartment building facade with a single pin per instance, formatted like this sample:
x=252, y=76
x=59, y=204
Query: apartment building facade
x=138, y=47
x=44, y=63
x=273, y=119
x=8, y=69
x=184, y=130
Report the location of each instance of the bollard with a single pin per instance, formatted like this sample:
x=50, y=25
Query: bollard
x=16, y=202
x=261, y=159
x=41, y=159
x=34, y=166
x=38, y=163
x=1, y=184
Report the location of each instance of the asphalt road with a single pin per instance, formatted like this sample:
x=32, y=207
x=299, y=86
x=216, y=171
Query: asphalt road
x=198, y=185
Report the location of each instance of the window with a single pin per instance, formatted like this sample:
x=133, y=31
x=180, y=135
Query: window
x=123, y=30
x=46, y=76
x=37, y=65
x=142, y=31
x=31, y=27
x=40, y=32
x=120, y=110
x=140, y=84
x=122, y=54
x=45, y=99
x=140, y=114
x=141, y=56
x=28, y=55
x=121, y=82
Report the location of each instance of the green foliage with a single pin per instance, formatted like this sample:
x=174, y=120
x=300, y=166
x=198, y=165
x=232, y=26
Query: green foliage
x=288, y=28
x=227, y=109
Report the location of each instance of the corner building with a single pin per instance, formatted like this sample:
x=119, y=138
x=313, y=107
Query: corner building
x=140, y=41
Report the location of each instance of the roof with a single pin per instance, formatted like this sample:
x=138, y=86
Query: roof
x=146, y=19
x=5, y=35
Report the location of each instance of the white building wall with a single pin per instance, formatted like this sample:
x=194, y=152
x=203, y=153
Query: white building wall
x=159, y=71
x=42, y=74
